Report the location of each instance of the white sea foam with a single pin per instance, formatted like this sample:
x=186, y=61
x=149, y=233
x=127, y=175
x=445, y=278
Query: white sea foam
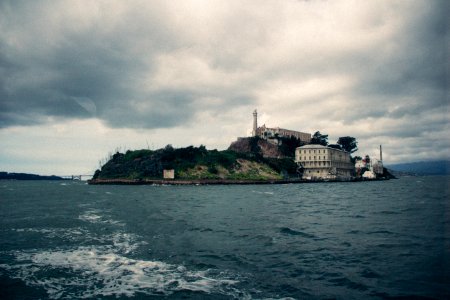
x=90, y=216
x=91, y=272
x=263, y=193
x=93, y=216
x=118, y=241
x=105, y=270
x=70, y=233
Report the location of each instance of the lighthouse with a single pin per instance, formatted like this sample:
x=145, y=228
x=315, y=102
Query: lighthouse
x=255, y=122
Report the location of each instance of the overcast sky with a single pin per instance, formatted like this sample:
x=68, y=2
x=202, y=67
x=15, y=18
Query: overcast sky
x=79, y=79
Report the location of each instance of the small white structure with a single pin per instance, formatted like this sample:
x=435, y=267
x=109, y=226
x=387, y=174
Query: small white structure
x=359, y=164
x=169, y=174
x=369, y=175
x=377, y=167
x=369, y=167
x=321, y=162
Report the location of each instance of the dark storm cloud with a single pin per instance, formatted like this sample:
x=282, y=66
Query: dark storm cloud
x=150, y=65
x=413, y=64
x=48, y=66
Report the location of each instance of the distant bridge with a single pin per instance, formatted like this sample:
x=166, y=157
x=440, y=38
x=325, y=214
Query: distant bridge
x=77, y=177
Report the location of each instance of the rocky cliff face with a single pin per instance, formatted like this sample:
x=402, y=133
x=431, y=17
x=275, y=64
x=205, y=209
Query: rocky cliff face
x=257, y=146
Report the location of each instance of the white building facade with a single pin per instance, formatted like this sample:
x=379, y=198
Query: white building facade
x=324, y=163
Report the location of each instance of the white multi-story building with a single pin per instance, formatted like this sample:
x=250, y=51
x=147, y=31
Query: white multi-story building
x=321, y=162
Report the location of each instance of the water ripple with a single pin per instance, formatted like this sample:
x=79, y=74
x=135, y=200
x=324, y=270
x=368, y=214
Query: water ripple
x=289, y=231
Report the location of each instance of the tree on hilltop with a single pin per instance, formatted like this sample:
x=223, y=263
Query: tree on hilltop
x=319, y=139
x=289, y=144
x=335, y=146
x=348, y=144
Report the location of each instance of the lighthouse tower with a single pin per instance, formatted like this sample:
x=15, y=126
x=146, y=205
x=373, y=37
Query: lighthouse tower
x=255, y=122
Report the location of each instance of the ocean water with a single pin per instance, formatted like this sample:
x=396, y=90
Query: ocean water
x=364, y=240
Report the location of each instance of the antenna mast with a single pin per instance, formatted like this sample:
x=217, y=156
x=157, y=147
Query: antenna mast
x=381, y=154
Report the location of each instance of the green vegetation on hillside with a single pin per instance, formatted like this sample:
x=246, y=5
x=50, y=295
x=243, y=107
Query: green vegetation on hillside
x=195, y=163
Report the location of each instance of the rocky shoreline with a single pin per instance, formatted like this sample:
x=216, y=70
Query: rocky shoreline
x=187, y=182
x=210, y=181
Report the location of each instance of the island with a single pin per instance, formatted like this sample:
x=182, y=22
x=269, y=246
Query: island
x=271, y=155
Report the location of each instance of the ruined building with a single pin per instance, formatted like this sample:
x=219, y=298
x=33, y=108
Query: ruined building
x=272, y=133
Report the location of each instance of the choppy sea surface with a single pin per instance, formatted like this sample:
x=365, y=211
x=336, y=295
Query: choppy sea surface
x=366, y=240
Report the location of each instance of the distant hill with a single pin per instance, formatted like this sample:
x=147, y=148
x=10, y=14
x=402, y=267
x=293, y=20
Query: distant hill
x=441, y=167
x=25, y=176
